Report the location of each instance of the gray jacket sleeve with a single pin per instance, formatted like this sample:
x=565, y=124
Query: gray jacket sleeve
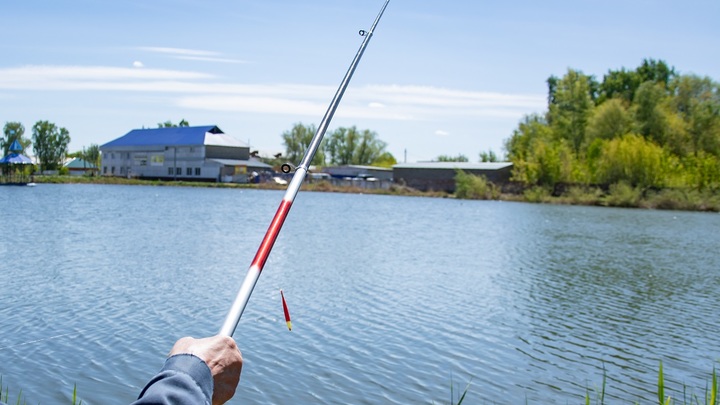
x=184, y=380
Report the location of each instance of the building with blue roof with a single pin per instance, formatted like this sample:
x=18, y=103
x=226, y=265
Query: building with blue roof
x=202, y=153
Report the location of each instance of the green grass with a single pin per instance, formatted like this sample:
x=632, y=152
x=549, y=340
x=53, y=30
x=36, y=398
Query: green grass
x=19, y=400
x=708, y=397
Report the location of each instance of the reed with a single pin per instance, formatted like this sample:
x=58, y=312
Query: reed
x=709, y=397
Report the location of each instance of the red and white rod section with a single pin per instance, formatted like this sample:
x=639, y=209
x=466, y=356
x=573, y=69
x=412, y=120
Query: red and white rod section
x=256, y=267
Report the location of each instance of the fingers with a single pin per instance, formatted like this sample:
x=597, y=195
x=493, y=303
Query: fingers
x=222, y=356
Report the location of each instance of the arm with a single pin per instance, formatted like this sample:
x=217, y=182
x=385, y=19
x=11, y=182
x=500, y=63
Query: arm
x=197, y=371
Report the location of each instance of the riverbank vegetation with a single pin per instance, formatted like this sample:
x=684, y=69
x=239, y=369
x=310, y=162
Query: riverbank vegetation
x=710, y=395
x=641, y=130
x=620, y=194
x=469, y=187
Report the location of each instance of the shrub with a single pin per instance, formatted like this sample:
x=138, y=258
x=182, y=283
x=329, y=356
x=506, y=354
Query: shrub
x=582, y=195
x=623, y=194
x=468, y=186
x=537, y=194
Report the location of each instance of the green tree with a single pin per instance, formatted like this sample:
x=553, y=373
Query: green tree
x=50, y=144
x=650, y=113
x=170, y=124
x=92, y=154
x=386, y=159
x=609, y=120
x=619, y=84
x=697, y=100
x=447, y=158
x=656, y=71
x=348, y=146
x=572, y=108
x=625, y=83
x=296, y=143
x=488, y=156
x=532, y=127
x=14, y=131
x=632, y=159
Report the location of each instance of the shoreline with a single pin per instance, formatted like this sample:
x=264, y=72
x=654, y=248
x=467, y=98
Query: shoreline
x=619, y=195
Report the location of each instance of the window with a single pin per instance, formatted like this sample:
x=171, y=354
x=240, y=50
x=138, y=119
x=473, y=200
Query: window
x=170, y=171
x=112, y=170
x=197, y=171
x=189, y=171
x=178, y=170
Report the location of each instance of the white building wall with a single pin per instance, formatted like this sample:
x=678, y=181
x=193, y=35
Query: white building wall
x=181, y=162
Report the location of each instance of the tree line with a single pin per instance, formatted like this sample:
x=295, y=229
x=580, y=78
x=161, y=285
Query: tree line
x=343, y=146
x=650, y=127
x=49, y=143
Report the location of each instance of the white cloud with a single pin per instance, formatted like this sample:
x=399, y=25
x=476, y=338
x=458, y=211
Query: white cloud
x=138, y=64
x=440, y=132
x=191, y=54
x=202, y=91
x=178, y=51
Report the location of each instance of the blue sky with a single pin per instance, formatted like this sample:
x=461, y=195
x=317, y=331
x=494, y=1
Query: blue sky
x=438, y=77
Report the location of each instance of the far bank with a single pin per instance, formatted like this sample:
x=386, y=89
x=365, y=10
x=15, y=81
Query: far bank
x=472, y=188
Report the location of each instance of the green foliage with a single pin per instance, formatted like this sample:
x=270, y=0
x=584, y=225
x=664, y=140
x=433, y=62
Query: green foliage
x=661, y=386
x=386, y=159
x=624, y=83
x=296, y=142
x=623, y=194
x=488, y=156
x=537, y=194
x=649, y=127
x=634, y=160
x=651, y=114
x=92, y=154
x=74, y=396
x=609, y=120
x=348, y=146
x=471, y=187
x=572, y=108
x=170, y=124
x=50, y=144
x=446, y=158
x=697, y=100
x=11, y=132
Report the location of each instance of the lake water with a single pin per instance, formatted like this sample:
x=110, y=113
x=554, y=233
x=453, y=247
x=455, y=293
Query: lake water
x=393, y=299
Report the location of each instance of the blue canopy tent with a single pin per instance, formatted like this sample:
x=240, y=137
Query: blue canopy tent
x=9, y=163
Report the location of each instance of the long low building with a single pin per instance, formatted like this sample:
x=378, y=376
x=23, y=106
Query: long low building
x=440, y=176
x=203, y=153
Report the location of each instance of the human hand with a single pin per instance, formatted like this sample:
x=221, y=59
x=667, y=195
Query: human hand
x=222, y=356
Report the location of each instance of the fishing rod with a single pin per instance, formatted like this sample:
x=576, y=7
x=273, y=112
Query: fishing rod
x=256, y=267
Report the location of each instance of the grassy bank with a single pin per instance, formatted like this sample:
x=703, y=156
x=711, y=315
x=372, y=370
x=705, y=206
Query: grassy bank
x=474, y=188
x=616, y=195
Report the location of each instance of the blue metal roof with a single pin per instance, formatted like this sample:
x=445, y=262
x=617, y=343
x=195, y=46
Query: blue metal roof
x=173, y=136
x=15, y=147
x=16, y=159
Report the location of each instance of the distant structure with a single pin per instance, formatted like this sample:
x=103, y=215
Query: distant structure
x=80, y=167
x=202, y=153
x=12, y=166
x=440, y=176
x=358, y=171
